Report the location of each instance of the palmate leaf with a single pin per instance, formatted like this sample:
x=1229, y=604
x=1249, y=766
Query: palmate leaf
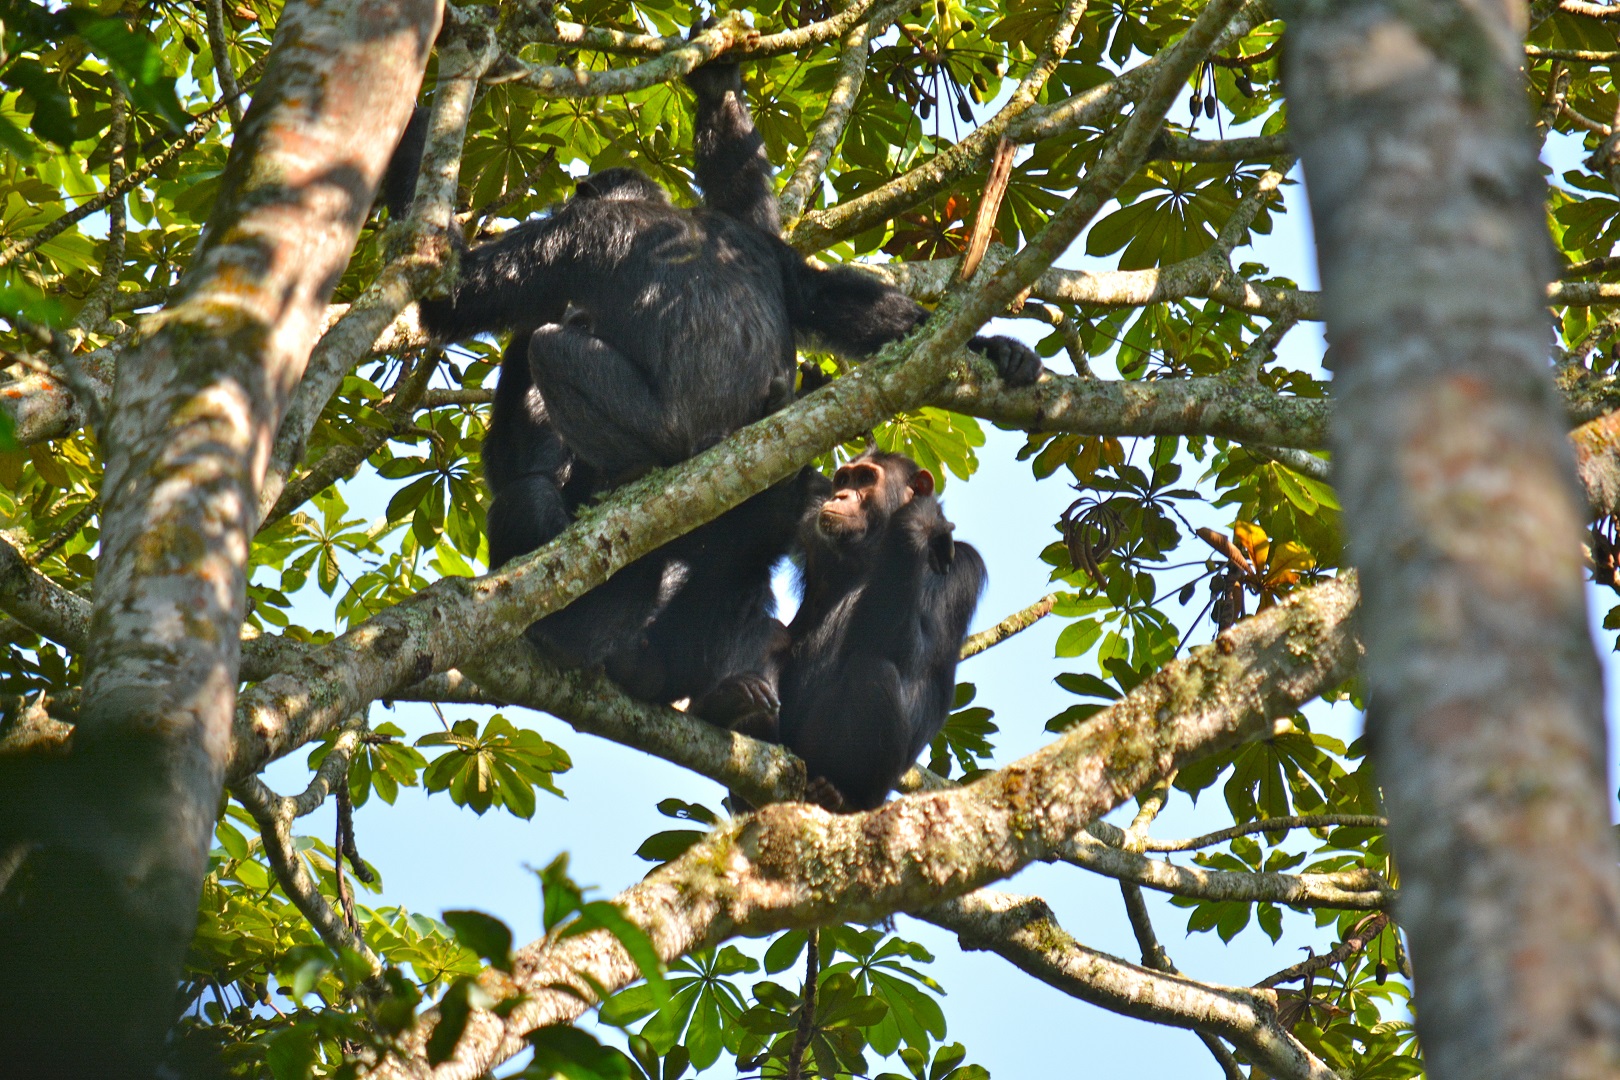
x=499, y=766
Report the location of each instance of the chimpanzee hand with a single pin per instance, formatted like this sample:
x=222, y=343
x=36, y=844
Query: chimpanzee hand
x=927, y=531
x=1016, y=363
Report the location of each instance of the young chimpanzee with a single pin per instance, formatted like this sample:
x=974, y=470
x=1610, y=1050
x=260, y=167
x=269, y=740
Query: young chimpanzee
x=870, y=671
x=643, y=334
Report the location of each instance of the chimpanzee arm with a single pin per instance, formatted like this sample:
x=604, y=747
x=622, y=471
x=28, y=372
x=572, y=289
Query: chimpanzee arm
x=399, y=182
x=922, y=589
x=854, y=313
x=504, y=284
x=514, y=281
x=525, y=465
x=729, y=155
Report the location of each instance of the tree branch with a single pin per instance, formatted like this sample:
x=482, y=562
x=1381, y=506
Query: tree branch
x=205, y=122
x=424, y=262
x=275, y=814
x=748, y=874
x=1024, y=931
x=1016, y=623
x=1268, y=825
x=821, y=229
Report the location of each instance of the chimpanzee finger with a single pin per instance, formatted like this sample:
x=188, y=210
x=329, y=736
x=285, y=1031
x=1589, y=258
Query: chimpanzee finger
x=941, y=552
x=1015, y=362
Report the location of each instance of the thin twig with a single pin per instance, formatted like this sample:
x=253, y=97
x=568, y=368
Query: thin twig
x=275, y=814
x=205, y=122
x=219, y=47
x=1015, y=623
x=339, y=461
x=97, y=306
x=1276, y=824
x=807, y=1005
x=1361, y=935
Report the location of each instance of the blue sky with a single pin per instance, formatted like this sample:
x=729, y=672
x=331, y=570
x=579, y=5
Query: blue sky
x=434, y=855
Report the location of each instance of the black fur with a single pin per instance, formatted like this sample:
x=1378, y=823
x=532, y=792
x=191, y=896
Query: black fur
x=642, y=335
x=870, y=672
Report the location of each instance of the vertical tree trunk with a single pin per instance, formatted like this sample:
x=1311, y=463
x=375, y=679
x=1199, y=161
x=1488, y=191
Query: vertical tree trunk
x=109, y=847
x=1484, y=694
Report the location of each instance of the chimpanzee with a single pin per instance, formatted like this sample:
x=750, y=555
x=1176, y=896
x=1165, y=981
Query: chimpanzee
x=642, y=335
x=870, y=671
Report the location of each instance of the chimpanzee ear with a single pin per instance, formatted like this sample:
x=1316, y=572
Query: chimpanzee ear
x=922, y=483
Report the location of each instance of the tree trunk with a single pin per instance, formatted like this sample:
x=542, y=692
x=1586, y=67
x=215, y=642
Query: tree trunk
x=107, y=848
x=1485, y=701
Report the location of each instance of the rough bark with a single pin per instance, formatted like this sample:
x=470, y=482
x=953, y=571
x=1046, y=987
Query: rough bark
x=1485, y=701
x=792, y=865
x=95, y=924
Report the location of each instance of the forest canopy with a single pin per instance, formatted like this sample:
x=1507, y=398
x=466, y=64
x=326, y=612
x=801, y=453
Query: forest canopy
x=213, y=373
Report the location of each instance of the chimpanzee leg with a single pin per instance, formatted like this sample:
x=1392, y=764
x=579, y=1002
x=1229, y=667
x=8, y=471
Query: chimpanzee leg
x=609, y=620
x=601, y=403
x=525, y=514
x=854, y=730
x=717, y=638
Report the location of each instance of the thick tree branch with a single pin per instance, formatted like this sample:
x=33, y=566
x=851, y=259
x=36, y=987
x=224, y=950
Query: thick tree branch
x=1597, y=462
x=1211, y=406
x=119, y=831
x=425, y=260
x=1485, y=698
x=1024, y=931
x=793, y=865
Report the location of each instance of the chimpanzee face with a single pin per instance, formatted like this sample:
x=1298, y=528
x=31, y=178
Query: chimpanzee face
x=866, y=491
x=847, y=513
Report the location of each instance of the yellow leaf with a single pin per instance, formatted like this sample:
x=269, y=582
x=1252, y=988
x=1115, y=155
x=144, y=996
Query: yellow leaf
x=1291, y=557
x=1253, y=540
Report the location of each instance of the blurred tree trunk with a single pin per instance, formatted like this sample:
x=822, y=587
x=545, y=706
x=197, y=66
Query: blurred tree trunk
x=1485, y=697
x=102, y=853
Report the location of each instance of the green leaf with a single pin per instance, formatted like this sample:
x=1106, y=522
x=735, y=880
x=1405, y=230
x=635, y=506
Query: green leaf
x=53, y=111
x=485, y=935
x=138, y=62
x=664, y=846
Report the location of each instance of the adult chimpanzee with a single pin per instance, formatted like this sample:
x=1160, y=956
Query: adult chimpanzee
x=642, y=335
x=870, y=671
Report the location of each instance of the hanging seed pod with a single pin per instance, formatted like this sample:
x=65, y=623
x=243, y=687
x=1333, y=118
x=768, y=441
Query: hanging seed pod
x=1244, y=86
x=1197, y=104
x=1184, y=597
x=940, y=9
x=1209, y=106
x=965, y=111
x=190, y=43
x=925, y=107
x=1381, y=973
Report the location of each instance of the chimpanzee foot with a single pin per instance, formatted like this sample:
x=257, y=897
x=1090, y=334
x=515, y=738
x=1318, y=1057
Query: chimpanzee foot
x=746, y=704
x=821, y=792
